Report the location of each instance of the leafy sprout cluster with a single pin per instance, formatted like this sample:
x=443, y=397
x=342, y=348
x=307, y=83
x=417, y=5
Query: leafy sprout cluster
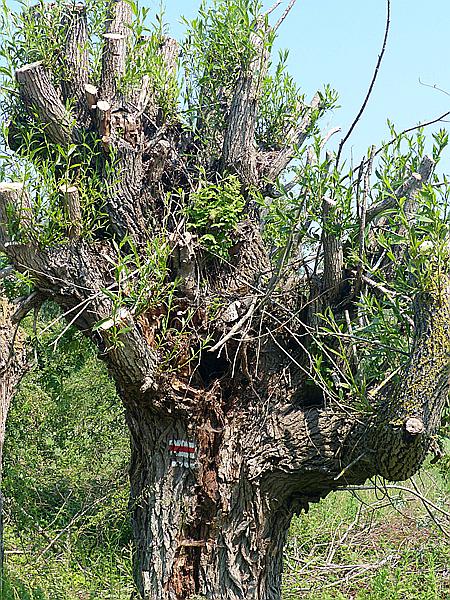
x=218, y=48
x=214, y=211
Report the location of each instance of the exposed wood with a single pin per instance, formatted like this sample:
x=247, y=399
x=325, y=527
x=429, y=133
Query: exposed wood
x=104, y=118
x=15, y=213
x=91, y=95
x=72, y=209
x=76, y=277
x=38, y=92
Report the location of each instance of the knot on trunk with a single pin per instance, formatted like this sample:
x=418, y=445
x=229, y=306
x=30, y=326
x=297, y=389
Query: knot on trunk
x=414, y=426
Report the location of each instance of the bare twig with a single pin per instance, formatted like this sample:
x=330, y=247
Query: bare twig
x=439, y=525
x=328, y=135
x=235, y=328
x=285, y=14
x=272, y=8
x=363, y=209
x=403, y=488
x=434, y=87
x=372, y=83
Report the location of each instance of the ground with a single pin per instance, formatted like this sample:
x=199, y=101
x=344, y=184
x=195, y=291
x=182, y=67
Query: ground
x=67, y=531
x=379, y=549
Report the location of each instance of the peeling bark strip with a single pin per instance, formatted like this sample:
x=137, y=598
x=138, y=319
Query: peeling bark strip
x=37, y=91
x=207, y=349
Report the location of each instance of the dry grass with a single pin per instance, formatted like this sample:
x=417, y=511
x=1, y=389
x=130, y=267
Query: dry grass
x=373, y=545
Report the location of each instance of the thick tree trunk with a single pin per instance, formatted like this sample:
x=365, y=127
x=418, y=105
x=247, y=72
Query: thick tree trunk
x=201, y=525
x=13, y=365
x=231, y=432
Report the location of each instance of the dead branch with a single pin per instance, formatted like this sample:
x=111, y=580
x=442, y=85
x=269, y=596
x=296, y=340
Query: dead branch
x=285, y=14
x=372, y=83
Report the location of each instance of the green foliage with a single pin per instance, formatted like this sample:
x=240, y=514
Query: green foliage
x=65, y=476
x=144, y=60
x=141, y=284
x=280, y=106
x=214, y=211
x=216, y=49
x=370, y=545
x=353, y=352
x=36, y=32
x=44, y=168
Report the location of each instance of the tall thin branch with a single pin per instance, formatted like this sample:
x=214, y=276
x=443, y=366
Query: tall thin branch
x=75, y=58
x=238, y=151
x=285, y=14
x=372, y=83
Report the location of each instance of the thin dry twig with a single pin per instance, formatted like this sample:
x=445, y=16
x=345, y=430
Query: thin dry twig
x=273, y=7
x=434, y=86
x=402, y=488
x=235, y=328
x=371, y=86
x=439, y=525
x=285, y=14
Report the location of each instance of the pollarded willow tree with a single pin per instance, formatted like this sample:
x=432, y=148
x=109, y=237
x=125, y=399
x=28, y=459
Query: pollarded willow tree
x=276, y=321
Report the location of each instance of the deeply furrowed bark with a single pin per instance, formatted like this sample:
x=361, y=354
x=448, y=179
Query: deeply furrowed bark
x=13, y=365
x=226, y=441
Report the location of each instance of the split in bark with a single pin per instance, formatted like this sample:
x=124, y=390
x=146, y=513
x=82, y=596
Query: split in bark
x=212, y=357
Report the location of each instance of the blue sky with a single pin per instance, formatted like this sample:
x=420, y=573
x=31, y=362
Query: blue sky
x=338, y=42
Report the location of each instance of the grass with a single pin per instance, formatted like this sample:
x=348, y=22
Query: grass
x=371, y=545
x=349, y=547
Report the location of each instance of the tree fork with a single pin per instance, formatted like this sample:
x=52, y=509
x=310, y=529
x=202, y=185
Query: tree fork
x=224, y=447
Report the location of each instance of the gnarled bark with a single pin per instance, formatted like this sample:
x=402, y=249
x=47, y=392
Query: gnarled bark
x=229, y=437
x=13, y=365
